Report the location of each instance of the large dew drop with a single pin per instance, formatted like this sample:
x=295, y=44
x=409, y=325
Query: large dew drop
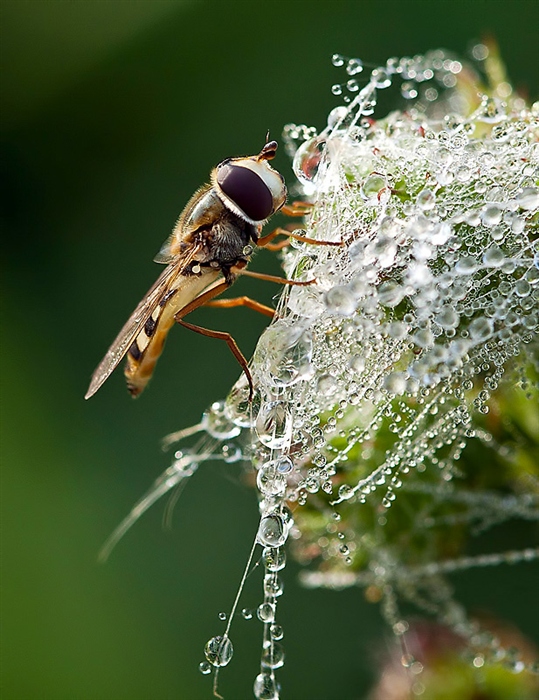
x=274, y=424
x=219, y=651
x=272, y=531
x=265, y=687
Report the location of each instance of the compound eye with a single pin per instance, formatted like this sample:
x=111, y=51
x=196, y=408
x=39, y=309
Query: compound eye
x=247, y=190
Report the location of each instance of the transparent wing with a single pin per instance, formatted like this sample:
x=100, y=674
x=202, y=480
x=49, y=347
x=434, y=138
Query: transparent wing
x=164, y=256
x=138, y=318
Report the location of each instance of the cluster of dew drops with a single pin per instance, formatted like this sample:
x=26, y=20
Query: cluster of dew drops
x=429, y=297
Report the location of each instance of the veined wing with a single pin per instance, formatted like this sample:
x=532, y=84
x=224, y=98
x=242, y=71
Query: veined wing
x=138, y=318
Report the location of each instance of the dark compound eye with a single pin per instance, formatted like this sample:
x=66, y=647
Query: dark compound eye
x=246, y=189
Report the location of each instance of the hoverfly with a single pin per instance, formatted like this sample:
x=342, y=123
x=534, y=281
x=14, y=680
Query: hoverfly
x=209, y=247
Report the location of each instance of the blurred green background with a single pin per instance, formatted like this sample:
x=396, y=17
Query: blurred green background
x=112, y=114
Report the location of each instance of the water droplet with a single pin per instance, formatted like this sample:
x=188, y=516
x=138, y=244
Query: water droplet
x=284, y=465
x=345, y=492
x=337, y=60
x=238, y=407
x=273, y=656
x=397, y=330
x=231, y=453
x=273, y=586
x=409, y=91
x=491, y=215
x=307, y=161
x=481, y=329
x=480, y=52
x=266, y=612
x=390, y=293
x=336, y=89
x=493, y=256
x=276, y=632
x=395, y=382
x=216, y=423
x=357, y=363
x=219, y=651
x=423, y=338
x=447, y=318
x=340, y=300
x=528, y=199
x=372, y=186
x=269, y=481
x=327, y=385
x=305, y=303
x=467, y=265
x=274, y=558
x=222, y=616
x=204, y=667
x=426, y=200
x=336, y=116
x=441, y=233
x=522, y=288
x=265, y=687
x=381, y=78
x=354, y=66
x=274, y=424
x=247, y=614
x=272, y=531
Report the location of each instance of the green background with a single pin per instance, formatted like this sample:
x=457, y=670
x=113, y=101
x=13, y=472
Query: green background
x=113, y=113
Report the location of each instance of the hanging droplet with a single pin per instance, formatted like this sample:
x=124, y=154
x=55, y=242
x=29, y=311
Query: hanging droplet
x=216, y=423
x=276, y=632
x=274, y=424
x=381, y=78
x=219, y=651
x=273, y=656
x=274, y=558
x=269, y=481
x=354, y=66
x=272, y=531
x=265, y=687
x=266, y=612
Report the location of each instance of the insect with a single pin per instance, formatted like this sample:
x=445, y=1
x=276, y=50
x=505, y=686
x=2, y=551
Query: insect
x=209, y=247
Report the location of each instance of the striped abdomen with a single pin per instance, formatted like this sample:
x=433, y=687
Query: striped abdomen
x=148, y=345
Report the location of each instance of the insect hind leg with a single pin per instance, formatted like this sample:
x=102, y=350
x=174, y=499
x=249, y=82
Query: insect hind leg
x=229, y=340
x=202, y=299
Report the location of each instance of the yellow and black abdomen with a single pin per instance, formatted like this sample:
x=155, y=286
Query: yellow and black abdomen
x=145, y=350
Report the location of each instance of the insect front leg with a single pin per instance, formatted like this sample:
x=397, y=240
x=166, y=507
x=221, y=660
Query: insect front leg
x=265, y=241
x=229, y=340
x=297, y=208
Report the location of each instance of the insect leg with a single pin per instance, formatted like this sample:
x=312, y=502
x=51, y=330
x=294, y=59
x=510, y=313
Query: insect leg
x=229, y=340
x=221, y=335
x=272, y=278
x=265, y=240
x=297, y=208
x=242, y=301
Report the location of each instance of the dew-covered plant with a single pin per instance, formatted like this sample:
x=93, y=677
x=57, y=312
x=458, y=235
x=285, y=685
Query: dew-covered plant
x=396, y=406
